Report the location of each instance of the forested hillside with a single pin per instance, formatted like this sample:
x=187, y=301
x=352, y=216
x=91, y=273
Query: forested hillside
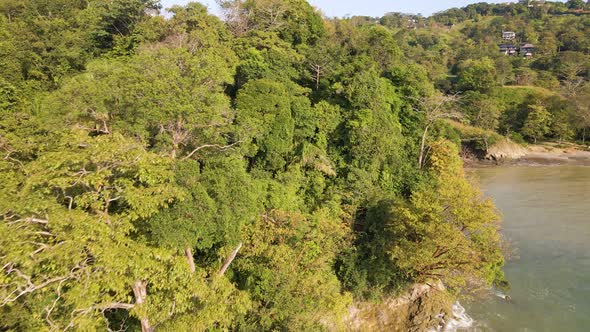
x=264, y=170
x=536, y=96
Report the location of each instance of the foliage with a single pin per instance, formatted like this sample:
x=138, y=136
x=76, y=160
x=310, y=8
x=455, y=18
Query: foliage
x=78, y=213
x=298, y=252
x=260, y=172
x=537, y=123
x=477, y=75
x=447, y=231
x=483, y=111
x=482, y=137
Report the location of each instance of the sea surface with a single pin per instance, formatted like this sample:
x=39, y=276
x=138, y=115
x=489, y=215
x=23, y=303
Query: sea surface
x=546, y=218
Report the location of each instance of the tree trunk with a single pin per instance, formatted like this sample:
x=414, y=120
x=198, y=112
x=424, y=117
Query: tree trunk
x=421, y=157
x=317, y=78
x=191, y=260
x=173, y=153
x=140, y=292
x=230, y=259
x=584, y=135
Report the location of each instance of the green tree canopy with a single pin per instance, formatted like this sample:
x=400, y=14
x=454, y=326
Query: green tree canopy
x=477, y=75
x=448, y=233
x=537, y=123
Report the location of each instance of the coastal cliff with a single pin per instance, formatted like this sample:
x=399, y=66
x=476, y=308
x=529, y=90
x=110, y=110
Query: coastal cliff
x=422, y=307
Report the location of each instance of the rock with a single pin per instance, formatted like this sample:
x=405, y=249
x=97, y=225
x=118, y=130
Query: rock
x=505, y=149
x=422, y=307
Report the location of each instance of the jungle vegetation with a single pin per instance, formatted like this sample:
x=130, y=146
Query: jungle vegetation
x=263, y=170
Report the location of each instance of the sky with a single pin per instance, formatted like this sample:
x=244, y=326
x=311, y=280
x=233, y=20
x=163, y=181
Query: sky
x=376, y=8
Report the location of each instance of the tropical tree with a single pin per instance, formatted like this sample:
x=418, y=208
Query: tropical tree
x=435, y=108
x=561, y=125
x=448, y=231
x=477, y=75
x=166, y=96
x=582, y=110
x=537, y=123
x=77, y=258
x=295, y=288
x=482, y=110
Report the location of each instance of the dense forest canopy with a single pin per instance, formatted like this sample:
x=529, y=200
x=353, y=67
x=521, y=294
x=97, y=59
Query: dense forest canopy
x=264, y=170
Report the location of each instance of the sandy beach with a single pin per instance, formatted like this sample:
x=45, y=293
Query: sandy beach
x=552, y=154
x=544, y=154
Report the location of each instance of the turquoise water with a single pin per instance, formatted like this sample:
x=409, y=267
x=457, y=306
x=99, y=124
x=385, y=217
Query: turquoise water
x=546, y=213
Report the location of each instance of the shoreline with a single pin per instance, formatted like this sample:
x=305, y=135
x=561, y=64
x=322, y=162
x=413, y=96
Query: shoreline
x=543, y=213
x=545, y=154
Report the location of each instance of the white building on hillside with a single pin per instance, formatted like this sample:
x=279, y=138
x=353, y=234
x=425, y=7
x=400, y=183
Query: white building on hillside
x=508, y=35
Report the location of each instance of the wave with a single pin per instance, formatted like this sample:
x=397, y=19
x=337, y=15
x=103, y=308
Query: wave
x=500, y=294
x=459, y=320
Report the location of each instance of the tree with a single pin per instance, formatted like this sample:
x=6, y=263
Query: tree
x=575, y=4
x=266, y=122
x=548, y=44
x=435, y=108
x=320, y=61
x=77, y=257
x=295, y=288
x=265, y=55
x=538, y=122
x=483, y=111
x=477, y=75
x=572, y=67
x=10, y=64
x=113, y=20
x=582, y=109
x=372, y=140
x=505, y=70
x=382, y=47
x=447, y=231
x=236, y=16
x=9, y=97
x=524, y=76
x=12, y=8
x=294, y=20
x=561, y=125
x=214, y=212
x=169, y=97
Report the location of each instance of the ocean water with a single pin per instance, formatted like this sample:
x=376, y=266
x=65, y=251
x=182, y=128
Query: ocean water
x=546, y=219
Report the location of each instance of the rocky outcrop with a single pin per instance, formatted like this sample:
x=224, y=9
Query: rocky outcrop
x=423, y=307
x=505, y=149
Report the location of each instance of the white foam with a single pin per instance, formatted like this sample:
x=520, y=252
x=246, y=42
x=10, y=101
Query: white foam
x=460, y=319
x=499, y=294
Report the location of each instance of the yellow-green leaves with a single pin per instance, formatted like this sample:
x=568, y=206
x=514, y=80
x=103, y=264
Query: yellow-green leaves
x=537, y=123
x=77, y=241
x=107, y=176
x=447, y=231
x=286, y=266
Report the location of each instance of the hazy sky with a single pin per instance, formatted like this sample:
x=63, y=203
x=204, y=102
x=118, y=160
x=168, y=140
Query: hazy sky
x=365, y=7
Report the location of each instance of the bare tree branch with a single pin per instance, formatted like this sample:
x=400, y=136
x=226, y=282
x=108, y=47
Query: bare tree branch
x=140, y=292
x=32, y=220
x=30, y=287
x=191, y=260
x=230, y=259
x=216, y=146
x=435, y=107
